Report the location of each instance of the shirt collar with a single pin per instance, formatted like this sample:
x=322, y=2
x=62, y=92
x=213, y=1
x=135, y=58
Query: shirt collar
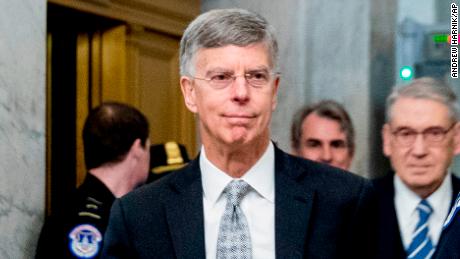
x=442, y=194
x=411, y=199
x=261, y=176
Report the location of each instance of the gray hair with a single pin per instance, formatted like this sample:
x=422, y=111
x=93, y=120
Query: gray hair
x=425, y=88
x=325, y=109
x=222, y=27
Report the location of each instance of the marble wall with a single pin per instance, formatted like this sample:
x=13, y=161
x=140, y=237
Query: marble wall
x=22, y=125
x=338, y=64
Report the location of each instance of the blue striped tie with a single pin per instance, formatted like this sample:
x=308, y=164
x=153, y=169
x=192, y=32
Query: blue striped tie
x=421, y=246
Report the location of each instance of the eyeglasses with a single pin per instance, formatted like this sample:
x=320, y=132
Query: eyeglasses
x=257, y=79
x=433, y=135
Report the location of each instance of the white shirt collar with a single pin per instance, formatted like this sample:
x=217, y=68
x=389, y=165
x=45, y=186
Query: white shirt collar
x=406, y=196
x=410, y=199
x=443, y=193
x=261, y=176
x=406, y=203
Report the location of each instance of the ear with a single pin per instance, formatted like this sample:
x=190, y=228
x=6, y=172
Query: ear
x=275, y=92
x=386, y=137
x=188, y=91
x=457, y=138
x=137, y=150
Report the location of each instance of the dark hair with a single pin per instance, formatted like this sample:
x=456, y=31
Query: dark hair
x=327, y=109
x=109, y=132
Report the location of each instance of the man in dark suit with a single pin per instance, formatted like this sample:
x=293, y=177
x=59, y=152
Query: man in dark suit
x=449, y=245
x=242, y=197
x=420, y=137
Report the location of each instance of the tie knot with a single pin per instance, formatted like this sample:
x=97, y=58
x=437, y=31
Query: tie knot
x=235, y=191
x=424, y=209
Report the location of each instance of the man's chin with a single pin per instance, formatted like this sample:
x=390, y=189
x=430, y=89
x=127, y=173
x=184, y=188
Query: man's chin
x=420, y=181
x=239, y=136
x=237, y=141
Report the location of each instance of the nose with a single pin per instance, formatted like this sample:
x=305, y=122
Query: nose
x=240, y=90
x=326, y=155
x=419, y=148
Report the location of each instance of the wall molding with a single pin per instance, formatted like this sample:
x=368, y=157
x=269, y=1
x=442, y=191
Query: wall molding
x=168, y=16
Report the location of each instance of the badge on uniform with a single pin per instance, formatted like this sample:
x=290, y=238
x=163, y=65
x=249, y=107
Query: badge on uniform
x=85, y=241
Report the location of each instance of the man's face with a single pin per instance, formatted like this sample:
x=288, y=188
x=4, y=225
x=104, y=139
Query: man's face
x=421, y=164
x=322, y=140
x=239, y=113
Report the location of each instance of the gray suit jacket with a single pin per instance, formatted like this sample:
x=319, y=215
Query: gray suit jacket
x=320, y=212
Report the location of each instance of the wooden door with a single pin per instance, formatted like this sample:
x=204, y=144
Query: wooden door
x=93, y=59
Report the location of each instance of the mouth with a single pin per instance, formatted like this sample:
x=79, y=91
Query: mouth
x=423, y=166
x=238, y=118
x=420, y=169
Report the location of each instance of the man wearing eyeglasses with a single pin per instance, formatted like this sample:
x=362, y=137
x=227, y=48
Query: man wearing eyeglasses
x=420, y=137
x=242, y=197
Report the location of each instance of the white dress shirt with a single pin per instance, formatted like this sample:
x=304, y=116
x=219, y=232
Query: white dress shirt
x=258, y=205
x=406, y=202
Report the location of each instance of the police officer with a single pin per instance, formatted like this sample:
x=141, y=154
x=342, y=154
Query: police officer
x=165, y=158
x=116, y=145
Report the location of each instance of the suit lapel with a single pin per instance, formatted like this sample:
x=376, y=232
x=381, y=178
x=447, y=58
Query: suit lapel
x=184, y=212
x=390, y=243
x=293, y=206
x=455, y=191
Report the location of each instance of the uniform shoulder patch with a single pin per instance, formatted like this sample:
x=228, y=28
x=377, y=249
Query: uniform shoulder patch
x=85, y=241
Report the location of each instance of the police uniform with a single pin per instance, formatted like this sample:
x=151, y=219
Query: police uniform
x=166, y=158
x=78, y=232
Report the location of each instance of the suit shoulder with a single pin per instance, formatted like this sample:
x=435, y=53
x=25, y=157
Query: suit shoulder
x=455, y=180
x=157, y=190
x=329, y=174
x=383, y=184
x=326, y=179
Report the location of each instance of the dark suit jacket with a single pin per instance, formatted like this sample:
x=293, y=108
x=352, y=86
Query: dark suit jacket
x=389, y=239
x=320, y=212
x=449, y=244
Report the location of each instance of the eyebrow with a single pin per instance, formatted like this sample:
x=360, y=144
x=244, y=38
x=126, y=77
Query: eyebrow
x=327, y=141
x=313, y=140
x=226, y=70
x=257, y=70
x=399, y=128
x=218, y=70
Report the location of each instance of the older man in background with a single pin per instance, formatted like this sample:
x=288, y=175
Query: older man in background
x=420, y=137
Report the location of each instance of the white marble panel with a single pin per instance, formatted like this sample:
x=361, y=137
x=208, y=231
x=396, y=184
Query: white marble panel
x=22, y=125
x=339, y=63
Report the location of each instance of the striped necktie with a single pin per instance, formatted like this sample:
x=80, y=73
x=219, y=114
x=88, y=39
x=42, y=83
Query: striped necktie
x=421, y=245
